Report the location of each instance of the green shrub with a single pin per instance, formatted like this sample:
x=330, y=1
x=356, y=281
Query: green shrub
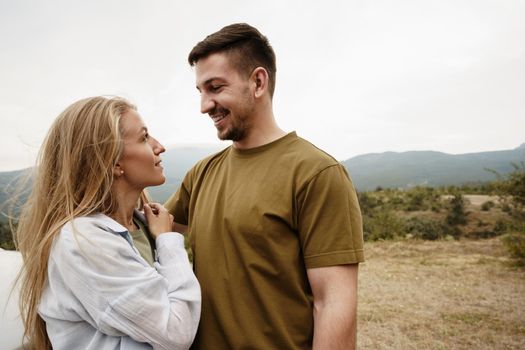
x=515, y=243
x=487, y=205
x=506, y=208
x=457, y=214
x=416, y=201
x=6, y=237
x=436, y=207
x=511, y=189
x=367, y=202
x=427, y=229
x=501, y=226
x=382, y=226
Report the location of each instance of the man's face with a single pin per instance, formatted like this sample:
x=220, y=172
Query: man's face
x=225, y=96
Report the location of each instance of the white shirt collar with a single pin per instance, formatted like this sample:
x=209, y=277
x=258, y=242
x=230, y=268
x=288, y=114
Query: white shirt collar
x=108, y=222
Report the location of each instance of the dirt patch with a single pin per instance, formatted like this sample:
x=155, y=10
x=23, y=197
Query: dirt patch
x=440, y=295
x=478, y=199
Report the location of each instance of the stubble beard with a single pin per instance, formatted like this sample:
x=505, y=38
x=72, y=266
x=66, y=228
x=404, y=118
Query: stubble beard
x=240, y=124
x=234, y=133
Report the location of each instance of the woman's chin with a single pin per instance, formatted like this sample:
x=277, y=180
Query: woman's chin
x=160, y=181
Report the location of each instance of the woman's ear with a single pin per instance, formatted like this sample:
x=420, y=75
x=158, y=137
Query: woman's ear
x=117, y=171
x=260, y=78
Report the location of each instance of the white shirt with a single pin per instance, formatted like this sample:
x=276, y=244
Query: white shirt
x=101, y=294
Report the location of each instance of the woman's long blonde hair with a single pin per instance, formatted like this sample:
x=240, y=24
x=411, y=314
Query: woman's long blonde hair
x=73, y=177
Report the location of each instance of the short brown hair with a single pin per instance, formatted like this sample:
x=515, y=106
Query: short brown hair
x=246, y=47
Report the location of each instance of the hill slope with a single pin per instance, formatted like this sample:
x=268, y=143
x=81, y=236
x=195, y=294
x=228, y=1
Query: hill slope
x=428, y=168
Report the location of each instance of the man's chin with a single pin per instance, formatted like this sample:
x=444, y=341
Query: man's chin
x=223, y=136
x=231, y=135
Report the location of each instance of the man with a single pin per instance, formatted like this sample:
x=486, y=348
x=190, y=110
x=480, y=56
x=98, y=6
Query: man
x=273, y=221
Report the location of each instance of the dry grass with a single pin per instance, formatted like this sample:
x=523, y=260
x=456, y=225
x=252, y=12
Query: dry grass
x=440, y=295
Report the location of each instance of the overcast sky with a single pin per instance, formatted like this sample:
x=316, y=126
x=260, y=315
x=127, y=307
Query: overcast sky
x=353, y=77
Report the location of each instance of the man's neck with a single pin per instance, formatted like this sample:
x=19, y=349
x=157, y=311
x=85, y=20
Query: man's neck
x=263, y=131
x=259, y=139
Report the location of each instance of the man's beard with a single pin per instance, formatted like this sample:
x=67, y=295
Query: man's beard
x=240, y=125
x=233, y=134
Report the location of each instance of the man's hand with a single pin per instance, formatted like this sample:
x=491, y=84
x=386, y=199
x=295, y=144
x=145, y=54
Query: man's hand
x=179, y=228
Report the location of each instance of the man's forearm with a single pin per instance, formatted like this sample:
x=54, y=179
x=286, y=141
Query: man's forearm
x=335, y=306
x=334, y=327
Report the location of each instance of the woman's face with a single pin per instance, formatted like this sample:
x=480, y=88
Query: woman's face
x=140, y=160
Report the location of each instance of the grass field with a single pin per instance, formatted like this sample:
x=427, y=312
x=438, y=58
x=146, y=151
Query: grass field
x=440, y=295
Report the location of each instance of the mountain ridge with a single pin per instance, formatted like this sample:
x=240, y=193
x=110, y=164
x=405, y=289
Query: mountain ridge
x=368, y=171
x=429, y=168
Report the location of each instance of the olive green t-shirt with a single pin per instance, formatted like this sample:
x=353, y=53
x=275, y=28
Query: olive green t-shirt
x=142, y=241
x=257, y=219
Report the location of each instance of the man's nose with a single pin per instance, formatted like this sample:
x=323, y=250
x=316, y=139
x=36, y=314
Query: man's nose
x=207, y=104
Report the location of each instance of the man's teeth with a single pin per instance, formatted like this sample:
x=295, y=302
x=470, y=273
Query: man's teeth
x=218, y=117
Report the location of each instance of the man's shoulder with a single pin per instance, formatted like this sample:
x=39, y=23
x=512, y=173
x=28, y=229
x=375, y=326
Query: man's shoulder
x=306, y=152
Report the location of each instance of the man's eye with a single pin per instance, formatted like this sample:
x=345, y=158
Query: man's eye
x=215, y=87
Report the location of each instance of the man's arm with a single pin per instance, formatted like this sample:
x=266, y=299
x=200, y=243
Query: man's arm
x=335, y=306
x=176, y=227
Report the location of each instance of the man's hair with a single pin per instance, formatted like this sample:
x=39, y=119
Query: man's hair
x=245, y=46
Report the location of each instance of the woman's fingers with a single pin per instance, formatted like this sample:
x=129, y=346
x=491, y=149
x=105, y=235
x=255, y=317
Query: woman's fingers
x=156, y=208
x=159, y=219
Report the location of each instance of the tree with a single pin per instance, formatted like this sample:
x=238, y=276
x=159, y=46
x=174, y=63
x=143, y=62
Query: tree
x=457, y=214
x=511, y=189
x=6, y=237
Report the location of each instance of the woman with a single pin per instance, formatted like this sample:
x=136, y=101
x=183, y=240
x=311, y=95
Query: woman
x=84, y=284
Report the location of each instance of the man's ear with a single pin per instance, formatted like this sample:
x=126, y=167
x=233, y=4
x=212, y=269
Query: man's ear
x=260, y=78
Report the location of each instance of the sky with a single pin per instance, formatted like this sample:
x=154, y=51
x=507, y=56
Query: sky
x=353, y=77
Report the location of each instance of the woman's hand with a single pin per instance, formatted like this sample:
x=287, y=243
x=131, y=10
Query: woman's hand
x=159, y=219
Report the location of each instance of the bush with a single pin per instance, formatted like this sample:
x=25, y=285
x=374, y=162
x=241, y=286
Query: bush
x=425, y=229
x=511, y=189
x=515, y=243
x=383, y=225
x=367, y=202
x=501, y=226
x=457, y=214
x=6, y=237
x=487, y=205
x=416, y=201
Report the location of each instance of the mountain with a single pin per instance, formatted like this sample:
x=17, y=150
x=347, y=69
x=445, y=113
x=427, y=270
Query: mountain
x=428, y=168
x=388, y=169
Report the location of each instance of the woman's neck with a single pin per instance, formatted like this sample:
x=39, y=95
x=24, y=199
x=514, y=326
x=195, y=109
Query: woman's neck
x=127, y=202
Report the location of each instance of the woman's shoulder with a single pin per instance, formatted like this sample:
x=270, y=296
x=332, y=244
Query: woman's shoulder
x=94, y=221
x=97, y=229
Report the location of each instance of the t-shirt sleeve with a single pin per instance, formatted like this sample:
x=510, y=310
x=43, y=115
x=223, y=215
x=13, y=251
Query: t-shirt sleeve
x=329, y=220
